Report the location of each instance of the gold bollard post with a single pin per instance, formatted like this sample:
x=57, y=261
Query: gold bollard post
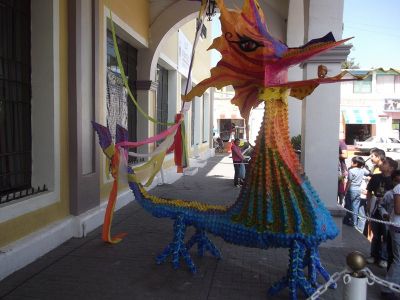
x=355, y=282
x=356, y=262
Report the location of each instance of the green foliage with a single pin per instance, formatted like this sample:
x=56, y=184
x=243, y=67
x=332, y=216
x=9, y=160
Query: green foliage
x=350, y=64
x=296, y=142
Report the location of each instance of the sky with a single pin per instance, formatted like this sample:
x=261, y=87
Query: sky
x=375, y=26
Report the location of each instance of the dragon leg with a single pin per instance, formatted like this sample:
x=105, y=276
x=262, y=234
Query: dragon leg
x=320, y=268
x=203, y=244
x=177, y=247
x=295, y=275
x=313, y=263
x=309, y=262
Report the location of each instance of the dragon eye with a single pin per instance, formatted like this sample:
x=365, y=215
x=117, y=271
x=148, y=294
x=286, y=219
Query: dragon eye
x=245, y=43
x=248, y=45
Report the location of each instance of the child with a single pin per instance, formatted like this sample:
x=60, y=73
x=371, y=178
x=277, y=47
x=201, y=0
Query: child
x=353, y=189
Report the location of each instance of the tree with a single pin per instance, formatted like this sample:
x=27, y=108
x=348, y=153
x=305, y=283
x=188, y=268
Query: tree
x=350, y=64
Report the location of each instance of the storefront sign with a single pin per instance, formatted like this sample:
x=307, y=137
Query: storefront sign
x=391, y=104
x=184, y=54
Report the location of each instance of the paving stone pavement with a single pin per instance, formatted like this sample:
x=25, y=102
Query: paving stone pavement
x=87, y=268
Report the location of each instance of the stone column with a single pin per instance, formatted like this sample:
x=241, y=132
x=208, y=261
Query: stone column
x=82, y=108
x=321, y=110
x=295, y=38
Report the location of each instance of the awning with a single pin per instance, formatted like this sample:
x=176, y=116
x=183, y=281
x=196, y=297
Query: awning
x=359, y=115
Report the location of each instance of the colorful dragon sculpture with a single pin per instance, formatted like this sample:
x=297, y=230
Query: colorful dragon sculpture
x=277, y=206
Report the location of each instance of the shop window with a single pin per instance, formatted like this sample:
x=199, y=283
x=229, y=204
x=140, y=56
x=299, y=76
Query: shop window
x=385, y=84
x=396, y=127
x=362, y=86
x=206, y=118
x=397, y=84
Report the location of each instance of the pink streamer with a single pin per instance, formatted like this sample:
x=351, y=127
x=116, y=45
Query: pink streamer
x=157, y=137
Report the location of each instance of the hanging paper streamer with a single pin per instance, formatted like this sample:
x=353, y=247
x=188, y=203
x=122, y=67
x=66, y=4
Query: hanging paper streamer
x=180, y=151
x=106, y=232
x=171, y=130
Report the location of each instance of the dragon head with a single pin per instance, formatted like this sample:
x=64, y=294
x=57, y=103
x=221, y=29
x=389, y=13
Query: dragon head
x=251, y=57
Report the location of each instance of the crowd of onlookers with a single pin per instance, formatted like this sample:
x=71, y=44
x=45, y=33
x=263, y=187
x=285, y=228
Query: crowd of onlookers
x=371, y=188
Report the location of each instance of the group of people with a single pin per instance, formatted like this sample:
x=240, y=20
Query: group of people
x=379, y=201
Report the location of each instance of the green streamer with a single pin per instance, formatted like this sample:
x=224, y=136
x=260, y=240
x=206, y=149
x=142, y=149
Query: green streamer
x=125, y=80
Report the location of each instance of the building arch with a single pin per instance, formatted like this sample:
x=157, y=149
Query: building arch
x=174, y=15
x=162, y=27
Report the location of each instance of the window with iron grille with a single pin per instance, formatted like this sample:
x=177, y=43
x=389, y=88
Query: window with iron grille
x=162, y=98
x=129, y=62
x=15, y=99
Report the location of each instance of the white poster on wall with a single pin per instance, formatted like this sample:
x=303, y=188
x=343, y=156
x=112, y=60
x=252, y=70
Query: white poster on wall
x=184, y=53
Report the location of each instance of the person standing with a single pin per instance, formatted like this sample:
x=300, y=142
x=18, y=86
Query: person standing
x=393, y=274
x=342, y=171
x=237, y=158
x=386, y=210
x=376, y=189
x=377, y=157
x=353, y=189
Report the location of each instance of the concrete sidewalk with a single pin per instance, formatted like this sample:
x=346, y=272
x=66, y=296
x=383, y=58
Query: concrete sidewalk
x=87, y=268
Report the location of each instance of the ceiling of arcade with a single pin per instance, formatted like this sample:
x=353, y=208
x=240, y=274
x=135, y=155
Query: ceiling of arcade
x=278, y=9
x=166, y=16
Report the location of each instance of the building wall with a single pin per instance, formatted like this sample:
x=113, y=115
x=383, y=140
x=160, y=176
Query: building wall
x=201, y=66
x=28, y=214
x=134, y=13
x=170, y=50
x=373, y=100
x=34, y=225
x=202, y=61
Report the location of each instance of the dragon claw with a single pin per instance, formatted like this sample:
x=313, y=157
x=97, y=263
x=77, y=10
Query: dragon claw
x=177, y=248
x=203, y=244
x=295, y=277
